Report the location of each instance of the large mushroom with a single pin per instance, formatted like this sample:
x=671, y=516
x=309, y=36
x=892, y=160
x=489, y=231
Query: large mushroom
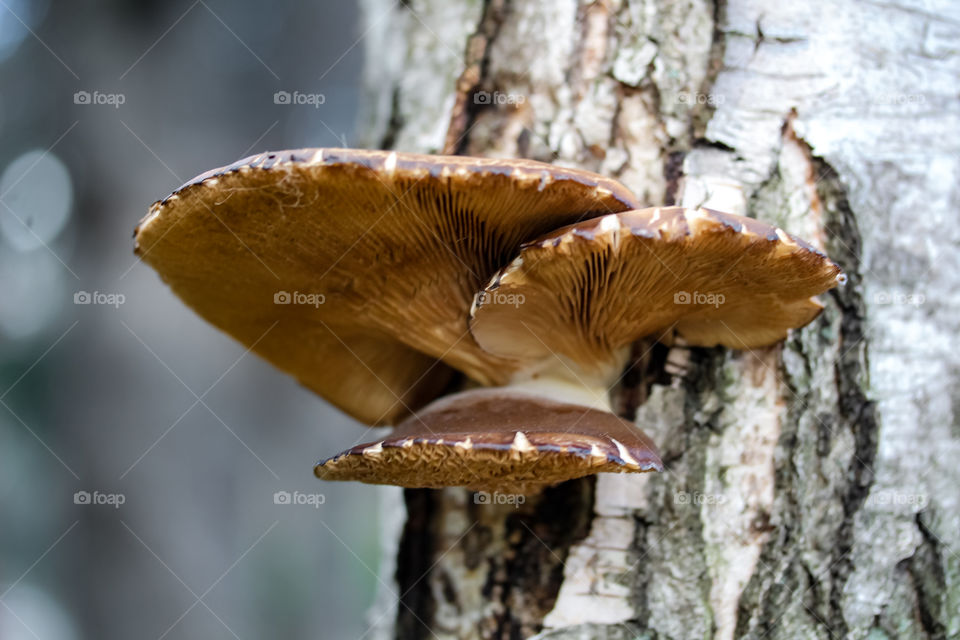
x=567, y=308
x=354, y=271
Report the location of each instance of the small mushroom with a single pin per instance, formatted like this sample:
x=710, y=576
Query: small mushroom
x=497, y=440
x=354, y=270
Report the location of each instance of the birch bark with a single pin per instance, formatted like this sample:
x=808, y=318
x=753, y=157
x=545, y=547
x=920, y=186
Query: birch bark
x=812, y=487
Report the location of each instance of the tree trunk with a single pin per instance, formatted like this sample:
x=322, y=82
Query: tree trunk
x=811, y=490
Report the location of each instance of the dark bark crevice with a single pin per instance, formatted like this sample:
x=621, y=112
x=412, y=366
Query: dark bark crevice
x=474, y=77
x=646, y=367
x=929, y=581
x=395, y=123
x=416, y=550
x=718, y=44
x=672, y=173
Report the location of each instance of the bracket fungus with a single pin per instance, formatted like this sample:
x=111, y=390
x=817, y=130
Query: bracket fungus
x=499, y=440
x=373, y=277
x=354, y=270
x=709, y=278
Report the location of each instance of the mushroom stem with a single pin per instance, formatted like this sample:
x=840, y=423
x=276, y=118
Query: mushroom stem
x=562, y=380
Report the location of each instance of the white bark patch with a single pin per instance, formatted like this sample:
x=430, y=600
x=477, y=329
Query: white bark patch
x=739, y=484
x=418, y=51
x=594, y=587
x=460, y=617
x=662, y=52
x=707, y=187
x=393, y=514
x=534, y=45
x=637, y=158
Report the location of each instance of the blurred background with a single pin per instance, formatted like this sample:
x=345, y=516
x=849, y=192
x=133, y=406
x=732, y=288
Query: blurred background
x=140, y=448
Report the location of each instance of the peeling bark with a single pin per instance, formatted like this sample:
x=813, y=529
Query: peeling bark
x=811, y=489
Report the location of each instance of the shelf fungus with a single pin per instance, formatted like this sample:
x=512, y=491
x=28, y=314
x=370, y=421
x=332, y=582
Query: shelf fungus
x=498, y=439
x=354, y=270
x=706, y=277
x=373, y=277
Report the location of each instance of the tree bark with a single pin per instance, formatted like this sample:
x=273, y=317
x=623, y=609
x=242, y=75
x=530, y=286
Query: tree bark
x=811, y=489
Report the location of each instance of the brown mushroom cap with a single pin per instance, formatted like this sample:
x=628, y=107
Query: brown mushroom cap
x=709, y=277
x=384, y=249
x=497, y=439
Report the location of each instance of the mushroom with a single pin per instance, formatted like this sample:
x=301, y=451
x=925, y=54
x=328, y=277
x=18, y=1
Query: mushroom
x=592, y=288
x=354, y=271
x=357, y=271
x=498, y=440
x=567, y=308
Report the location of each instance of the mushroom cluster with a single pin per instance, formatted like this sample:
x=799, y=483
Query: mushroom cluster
x=375, y=277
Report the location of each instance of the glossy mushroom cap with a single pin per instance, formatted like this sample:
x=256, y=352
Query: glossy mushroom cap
x=711, y=278
x=354, y=270
x=497, y=440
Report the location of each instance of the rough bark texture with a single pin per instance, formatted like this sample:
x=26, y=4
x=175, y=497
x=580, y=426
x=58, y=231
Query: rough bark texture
x=812, y=489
